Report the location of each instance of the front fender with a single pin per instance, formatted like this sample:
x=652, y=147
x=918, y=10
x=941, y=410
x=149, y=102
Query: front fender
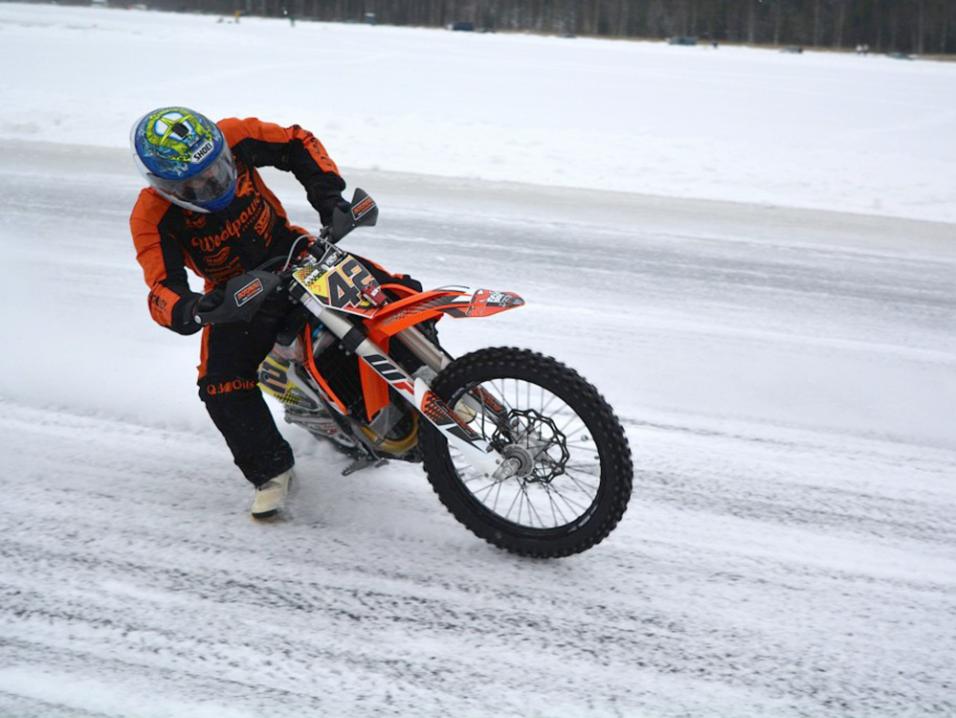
x=457, y=302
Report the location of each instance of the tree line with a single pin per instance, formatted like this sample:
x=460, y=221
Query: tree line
x=917, y=26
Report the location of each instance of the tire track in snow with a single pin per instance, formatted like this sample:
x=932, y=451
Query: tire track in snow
x=86, y=583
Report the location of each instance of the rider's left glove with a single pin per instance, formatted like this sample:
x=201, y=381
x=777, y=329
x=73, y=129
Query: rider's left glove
x=327, y=207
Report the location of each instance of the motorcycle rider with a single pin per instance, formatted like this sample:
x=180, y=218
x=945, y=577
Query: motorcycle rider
x=207, y=208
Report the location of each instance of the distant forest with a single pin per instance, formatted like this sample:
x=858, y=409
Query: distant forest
x=912, y=26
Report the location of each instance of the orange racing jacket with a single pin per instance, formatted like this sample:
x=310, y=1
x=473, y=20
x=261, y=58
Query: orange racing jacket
x=253, y=228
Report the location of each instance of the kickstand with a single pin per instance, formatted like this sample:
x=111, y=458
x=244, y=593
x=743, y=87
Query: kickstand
x=363, y=463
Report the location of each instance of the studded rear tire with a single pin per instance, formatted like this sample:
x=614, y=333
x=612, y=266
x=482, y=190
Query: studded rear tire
x=613, y=489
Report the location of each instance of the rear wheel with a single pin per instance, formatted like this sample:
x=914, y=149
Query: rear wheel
x=566, y=473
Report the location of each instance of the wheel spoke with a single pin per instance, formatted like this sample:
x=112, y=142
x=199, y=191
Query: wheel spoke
x=508, y=513
x=554, y=505
x=544, y=407
x=583, y=468
x=487, y=488
x=588, y=489
x=539, y=424
x=497, y=495
x=501, y=394
x=574, y=417
x=578, y=509
x=531, y=508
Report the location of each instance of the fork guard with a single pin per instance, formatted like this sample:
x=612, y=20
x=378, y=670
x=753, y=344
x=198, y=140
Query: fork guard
x=454, y=301
x=473, y=447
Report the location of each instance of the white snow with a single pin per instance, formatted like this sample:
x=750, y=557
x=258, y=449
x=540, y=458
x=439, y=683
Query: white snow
x=832, y=131
x=787, y=379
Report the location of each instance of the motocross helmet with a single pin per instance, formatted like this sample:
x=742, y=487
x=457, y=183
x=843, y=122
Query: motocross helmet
x=184, y=156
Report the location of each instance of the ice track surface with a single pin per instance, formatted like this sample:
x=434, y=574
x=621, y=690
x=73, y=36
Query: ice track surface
x=786, y=379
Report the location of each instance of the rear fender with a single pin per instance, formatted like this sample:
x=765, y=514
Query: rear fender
x=457, y=302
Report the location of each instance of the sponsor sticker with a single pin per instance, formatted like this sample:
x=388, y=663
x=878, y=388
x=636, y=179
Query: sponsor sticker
x=202, y=152
x=485, y=302
x=248, y=292
x=311, y=277
x=362, y=208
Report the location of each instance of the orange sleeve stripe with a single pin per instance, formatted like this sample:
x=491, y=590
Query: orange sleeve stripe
x=236, y=130
x=143, y=222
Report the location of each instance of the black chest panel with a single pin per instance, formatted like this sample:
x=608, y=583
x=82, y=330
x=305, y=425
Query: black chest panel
x=225, y=244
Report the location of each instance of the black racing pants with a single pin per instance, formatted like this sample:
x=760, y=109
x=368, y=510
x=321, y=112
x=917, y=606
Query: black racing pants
x=228, y=385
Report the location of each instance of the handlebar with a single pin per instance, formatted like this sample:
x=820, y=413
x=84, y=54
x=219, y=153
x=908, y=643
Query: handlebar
x=245, y=294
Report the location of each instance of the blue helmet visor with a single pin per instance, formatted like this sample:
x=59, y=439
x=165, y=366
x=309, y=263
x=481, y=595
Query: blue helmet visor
x=212, y=189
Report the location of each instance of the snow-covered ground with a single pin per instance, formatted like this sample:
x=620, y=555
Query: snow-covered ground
x=823, y=130
x=787, y=379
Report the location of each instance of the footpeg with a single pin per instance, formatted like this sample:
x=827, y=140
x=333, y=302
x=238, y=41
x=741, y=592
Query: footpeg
x=363, y=463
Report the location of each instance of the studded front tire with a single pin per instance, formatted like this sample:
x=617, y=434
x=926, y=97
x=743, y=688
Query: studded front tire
x=574, y=456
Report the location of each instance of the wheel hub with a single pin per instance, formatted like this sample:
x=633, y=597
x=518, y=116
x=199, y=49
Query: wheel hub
x=525, y=445
x=519, y=460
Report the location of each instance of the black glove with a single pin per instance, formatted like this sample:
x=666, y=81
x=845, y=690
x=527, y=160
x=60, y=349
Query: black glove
x=328, y=205
x=202, y=303
x=210, y=300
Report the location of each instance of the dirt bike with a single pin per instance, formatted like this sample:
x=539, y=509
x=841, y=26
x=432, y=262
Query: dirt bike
x=521, y=449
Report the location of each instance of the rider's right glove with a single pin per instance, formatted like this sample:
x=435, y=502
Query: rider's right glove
x=200, y=304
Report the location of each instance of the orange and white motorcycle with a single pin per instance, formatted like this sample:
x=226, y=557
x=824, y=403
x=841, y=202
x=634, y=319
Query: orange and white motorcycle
x=520, y=448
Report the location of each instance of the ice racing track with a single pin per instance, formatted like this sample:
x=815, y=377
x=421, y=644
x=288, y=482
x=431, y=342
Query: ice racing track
x=787, y=382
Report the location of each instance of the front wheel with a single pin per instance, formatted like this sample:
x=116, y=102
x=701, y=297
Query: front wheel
x=567, y=471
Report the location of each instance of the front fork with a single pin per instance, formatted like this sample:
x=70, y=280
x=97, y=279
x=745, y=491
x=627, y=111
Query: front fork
x=472, y=445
